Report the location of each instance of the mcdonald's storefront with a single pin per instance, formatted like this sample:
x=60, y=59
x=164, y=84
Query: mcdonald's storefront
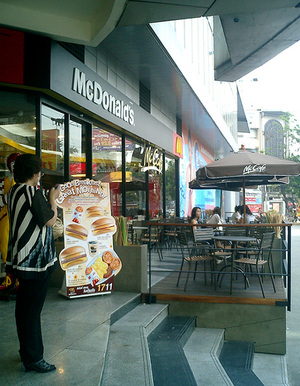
x=82, y=127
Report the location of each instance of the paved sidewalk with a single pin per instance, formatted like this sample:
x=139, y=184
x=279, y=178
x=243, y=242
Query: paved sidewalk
x=75, y=334
x=293, y=317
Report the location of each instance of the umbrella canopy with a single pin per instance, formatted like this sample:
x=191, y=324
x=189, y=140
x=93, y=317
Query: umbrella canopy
x=235, y=184
x=245, y=165
x=244, y=169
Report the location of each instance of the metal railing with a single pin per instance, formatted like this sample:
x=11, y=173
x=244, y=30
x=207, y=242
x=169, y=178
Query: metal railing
x=285, y=248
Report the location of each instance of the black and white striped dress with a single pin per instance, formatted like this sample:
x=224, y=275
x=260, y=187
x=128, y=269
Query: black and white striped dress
x=31, y=248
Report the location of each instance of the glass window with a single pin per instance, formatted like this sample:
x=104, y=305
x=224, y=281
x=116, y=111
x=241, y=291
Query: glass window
x=155, y=194
x=53, y=138
x=107, y=164
x=78, y=138
x=17, y=127
x=135, y=181
x=170, y=187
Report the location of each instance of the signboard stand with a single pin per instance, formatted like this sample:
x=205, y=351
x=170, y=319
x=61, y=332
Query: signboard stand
x=88, y=258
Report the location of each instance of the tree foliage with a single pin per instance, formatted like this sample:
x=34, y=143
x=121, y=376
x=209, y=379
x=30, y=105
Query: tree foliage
x=291, y=135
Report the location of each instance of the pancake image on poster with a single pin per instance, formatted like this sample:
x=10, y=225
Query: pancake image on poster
x=77, y=231
x=72, y=256
x=93, y=211
x=103, y=225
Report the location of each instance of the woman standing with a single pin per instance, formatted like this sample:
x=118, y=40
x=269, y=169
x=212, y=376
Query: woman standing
x=31, y=255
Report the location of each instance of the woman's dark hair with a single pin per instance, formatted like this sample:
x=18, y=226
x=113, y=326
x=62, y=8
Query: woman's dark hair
x=248, y=211
x=217, y=210
x=26, y=165
x=193, y=213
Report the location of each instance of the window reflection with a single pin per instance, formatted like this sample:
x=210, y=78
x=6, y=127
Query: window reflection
x=77, y=134
x=135, y=181
x=107, y=164
x=170, y=187
x=17, y=126
x=53, y=130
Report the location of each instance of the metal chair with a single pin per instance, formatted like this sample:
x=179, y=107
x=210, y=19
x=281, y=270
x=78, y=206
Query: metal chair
x=258, y=258
x=156, y=240
x=203, y=239
x=190, y=255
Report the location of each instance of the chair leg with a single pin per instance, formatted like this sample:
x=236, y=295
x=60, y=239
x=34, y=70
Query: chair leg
x=180, y=270
x=196, y=265
x=188, y=274
x=260, y=282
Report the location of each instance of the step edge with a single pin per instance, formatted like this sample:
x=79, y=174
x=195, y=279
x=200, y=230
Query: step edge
x=146, y=357
x=215, y=353
x=283, y=368
x=125, y=308
x=158, y=316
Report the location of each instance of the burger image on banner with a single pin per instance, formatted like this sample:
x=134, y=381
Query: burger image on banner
x=88, y=258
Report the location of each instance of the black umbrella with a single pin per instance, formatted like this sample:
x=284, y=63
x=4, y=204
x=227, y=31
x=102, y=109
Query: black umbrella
x=244, y=169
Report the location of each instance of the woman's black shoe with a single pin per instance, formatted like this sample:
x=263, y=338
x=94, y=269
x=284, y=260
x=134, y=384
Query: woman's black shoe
x=41, y=366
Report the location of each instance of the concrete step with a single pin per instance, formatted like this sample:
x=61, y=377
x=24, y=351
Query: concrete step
x=271, y=369
x=127, y=360
x=202, y=351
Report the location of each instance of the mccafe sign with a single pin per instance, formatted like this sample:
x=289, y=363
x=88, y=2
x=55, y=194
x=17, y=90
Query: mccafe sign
x=255, y=169
x=152, y=160
x=92, y=91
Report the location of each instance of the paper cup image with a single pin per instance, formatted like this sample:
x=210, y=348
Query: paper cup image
x=93, y=247
x=77, y=215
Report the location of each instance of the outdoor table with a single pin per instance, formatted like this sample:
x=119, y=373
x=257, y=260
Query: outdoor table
x=235, y=240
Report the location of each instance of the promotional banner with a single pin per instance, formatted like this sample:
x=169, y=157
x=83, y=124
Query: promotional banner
x=88, y=258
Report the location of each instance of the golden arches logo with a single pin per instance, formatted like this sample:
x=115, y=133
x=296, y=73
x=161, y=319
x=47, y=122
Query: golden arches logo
x=178, y=147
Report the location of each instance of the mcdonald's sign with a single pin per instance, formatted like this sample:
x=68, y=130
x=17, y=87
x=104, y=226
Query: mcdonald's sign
x=177, y=145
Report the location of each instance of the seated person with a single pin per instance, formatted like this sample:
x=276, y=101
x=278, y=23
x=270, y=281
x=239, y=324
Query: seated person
x=237, y=215
x=216, y=217
x=249, y=216
x=195, y=216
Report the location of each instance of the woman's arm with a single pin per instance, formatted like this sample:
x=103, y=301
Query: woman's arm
x=53, y=194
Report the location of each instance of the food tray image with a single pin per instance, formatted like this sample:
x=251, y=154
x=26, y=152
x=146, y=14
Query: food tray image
x=103, y=267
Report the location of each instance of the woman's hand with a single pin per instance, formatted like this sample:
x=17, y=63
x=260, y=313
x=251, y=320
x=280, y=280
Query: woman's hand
x=54, y=193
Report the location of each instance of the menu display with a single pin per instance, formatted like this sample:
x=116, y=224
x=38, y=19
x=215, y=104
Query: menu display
x=88, y=256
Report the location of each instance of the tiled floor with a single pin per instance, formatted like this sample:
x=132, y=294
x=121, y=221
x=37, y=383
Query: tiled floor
x=75, y=336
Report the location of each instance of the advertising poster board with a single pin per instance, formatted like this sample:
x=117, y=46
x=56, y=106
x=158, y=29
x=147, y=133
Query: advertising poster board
x=88, y=258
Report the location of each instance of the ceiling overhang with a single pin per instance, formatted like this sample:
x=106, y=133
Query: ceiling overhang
x=251, y=31
x=154, y=67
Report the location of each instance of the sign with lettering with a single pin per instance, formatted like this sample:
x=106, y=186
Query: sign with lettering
x=152, y=160
x=92, y=91
x=255, y=169
x=88, y=258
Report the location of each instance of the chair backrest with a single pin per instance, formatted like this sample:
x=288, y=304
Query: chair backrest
x=267, y=240
x=236, y=231
x=266, y=244
x=203, y=234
